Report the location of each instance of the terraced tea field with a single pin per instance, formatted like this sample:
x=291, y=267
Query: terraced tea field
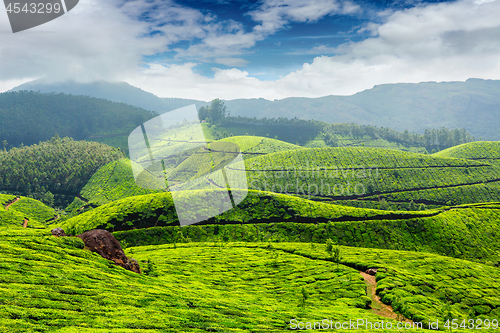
x=52, y=284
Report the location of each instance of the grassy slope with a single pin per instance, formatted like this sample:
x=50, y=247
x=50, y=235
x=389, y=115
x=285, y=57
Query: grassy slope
x=111, y=182
x=395, y=176
x=485, y=151
x=35, y=211
x=158, y=209
x=51, y=284
x=420, y=285
x=465, y=232
x=470, y=233
x=367, y=174
x=116, y=181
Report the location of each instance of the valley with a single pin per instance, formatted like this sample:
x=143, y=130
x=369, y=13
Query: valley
x=325, y=204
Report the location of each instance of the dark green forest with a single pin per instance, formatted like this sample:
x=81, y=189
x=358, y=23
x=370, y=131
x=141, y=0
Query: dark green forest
x=301, y=131
x=56, y=167
x=28, y=117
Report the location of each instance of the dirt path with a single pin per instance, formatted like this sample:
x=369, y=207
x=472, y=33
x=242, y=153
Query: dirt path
x=377, y=306
x=25, y=223
x=10, y=203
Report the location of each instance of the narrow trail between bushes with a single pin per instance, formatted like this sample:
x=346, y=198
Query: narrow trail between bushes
x=10, y=203
x=377, y=306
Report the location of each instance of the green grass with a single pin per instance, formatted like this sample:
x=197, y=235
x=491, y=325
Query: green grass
x=35, y=211
x=338, y=174
x=372, y=174
x=467, y=233
x=116, y=181
x=485, y=151
x=51, y=284
x=5, y=199
x=158, y=209
x=420, y=285
x=111, y=182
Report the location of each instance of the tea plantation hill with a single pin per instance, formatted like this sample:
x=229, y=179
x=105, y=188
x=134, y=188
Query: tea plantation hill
x=14, y=211
x=385, y=179
x=116, y=181
x=51, y=284
x=365, y=177
x=253, y=268
x=483, y=151
x=466, y=231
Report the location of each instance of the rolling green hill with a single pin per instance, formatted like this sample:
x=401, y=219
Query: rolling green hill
x=360, y=177
x=116, y=180
x=463, y=231
x=59, y=166
x=14, y=211
x=484, y=151
x=111, y=182
x=429, y=224
x=369, y=175
x=52, y=284
x=158, y=209
x=252, y=146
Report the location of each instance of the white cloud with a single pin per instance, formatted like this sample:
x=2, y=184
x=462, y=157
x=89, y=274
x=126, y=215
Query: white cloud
x=229, y=38
x=94, y=41
x=274, y=15
x=438, y=42
x=433, y=42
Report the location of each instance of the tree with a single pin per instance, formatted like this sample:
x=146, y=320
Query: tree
x=217, y=111
x=150, y=268
x=203, y=113
x=333, y=251
x=48, y=198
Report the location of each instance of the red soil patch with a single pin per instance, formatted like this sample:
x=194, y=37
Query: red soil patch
x=10, y=203
x=377, y=306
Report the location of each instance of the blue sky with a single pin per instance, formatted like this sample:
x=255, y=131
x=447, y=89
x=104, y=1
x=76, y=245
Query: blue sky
x=257, y=49
x=290, y=47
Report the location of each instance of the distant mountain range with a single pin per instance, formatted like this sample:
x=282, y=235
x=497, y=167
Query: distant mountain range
x=121, y=92
x=473, y=104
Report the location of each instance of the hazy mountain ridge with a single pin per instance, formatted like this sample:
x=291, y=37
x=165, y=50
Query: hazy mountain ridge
x=473, y=104
x=121, y=92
